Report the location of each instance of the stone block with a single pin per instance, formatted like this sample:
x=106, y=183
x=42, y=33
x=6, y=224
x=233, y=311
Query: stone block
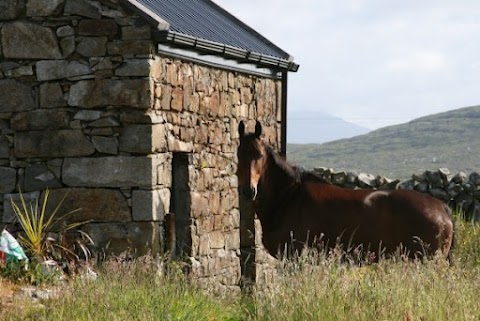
x=136, y=32
x=92, y=46
x=43, y=8
x=143, y=139
x=97, y=27
x=51, y=69
x=129, y=47
x=15, y=96
x=68, y=46
x=121, y=171
x=65, y=31
x=95, y=204
x=39, y=177
x=8, y=179
x=133, y=68
x=40, y=119
x=53, y=143
x=108, y=92
x=11, y=9
x=82, y=8
x=105, y=145
x=76, y=69
x=138, y=238
x=4, y=147
x=51, y=95
x=25, y=40
x=9, y=216
x=150, y=205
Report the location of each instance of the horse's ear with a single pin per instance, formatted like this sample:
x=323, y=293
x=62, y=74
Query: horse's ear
x=241, y=128
x=258, y=129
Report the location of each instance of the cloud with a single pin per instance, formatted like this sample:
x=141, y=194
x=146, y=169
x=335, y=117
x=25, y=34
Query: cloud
x=419, y=62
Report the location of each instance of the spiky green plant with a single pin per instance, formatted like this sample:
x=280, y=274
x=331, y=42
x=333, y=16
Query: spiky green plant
x=43, y=236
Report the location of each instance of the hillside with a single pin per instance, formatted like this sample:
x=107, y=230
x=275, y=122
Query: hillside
x=450, y=139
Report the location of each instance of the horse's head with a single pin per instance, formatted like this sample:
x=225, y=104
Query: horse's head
x=252, y=159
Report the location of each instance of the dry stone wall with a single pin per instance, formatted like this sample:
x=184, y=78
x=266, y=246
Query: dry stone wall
x=460, y=191
x=88, y=108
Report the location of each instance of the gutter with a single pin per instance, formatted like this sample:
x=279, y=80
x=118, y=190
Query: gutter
x=226, y=50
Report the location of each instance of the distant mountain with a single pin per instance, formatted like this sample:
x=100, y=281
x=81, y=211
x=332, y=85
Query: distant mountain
x=309, y=126
x=450, y=139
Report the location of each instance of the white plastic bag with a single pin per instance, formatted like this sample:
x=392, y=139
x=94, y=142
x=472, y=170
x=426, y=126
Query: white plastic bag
x=10, y=250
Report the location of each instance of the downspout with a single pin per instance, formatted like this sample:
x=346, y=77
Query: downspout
x=283, y=126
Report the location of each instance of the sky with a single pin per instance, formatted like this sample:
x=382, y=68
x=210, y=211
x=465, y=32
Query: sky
x=374, y=62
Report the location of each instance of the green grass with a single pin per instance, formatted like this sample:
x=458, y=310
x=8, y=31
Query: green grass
x=312, y=287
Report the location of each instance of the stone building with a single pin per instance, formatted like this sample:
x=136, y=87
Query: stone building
x=132, y=107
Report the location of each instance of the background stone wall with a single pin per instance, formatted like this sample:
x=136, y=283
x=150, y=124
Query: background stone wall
x=460, y=191
x=88, y=108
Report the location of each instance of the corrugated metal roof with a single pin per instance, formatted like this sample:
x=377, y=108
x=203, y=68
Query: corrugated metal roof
x=205, y=20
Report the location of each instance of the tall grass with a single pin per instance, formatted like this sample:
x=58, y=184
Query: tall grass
x=312, y=287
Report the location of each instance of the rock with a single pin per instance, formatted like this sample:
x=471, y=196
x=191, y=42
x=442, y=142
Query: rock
x=51, y=95
x=474, y=178
x=339, y=178
x=92, y=46
x=65, y=31
x=460, y=178
x=43, y=8
x=100, y=27
x=8, y=179
x=134, y=68
x=81, y=8
x=51, y=69
x=105, y=145
x=150, y=205
x=97, y=204
x=11, y=9
x=121, y=171
x=75, y=69
x=9, y=216
x=113, y=238
x=129, y=47
x=136, y=32
x=143, y=139
x=15, y=96
x=52, y=143
x=25, y=40
x=88, y=115
x=107, y=92
x=68, y=46
x=435, y=179
x=366, y=180
x=39, y=177
x=440, y=194
x=40, y=119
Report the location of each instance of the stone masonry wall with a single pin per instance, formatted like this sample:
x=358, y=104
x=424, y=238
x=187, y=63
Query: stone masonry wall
x=73, y=76
x=88, y=108
x=200, y=108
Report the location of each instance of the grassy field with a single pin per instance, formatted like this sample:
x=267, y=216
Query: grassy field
x=312, y=287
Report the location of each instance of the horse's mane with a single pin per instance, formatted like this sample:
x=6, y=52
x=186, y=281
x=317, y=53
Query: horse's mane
x=297, y=174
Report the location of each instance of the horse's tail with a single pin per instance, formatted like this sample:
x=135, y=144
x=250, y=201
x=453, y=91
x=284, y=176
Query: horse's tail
x=452, y=244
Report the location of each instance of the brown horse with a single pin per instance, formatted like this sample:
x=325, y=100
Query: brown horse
x=297, y=208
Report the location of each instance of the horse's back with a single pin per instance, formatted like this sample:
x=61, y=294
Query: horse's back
x=390, y=218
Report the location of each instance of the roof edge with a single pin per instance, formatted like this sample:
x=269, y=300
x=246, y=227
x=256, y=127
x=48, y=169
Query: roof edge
x=227, y=50
x=159, y=22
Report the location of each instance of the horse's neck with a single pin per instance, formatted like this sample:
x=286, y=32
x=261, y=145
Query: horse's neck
x=276, y=186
